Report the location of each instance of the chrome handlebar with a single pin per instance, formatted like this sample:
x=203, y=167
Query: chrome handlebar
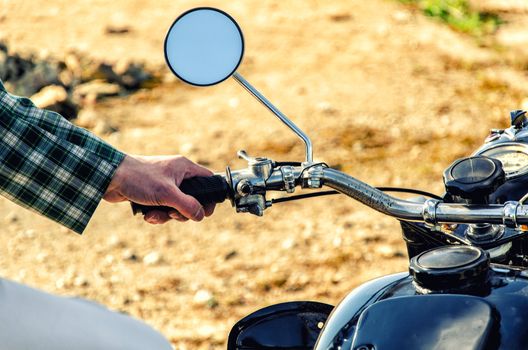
x=432, y=211
x=250, y=186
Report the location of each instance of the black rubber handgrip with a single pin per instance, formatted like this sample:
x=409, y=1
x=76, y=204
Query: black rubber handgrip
x=206, y=189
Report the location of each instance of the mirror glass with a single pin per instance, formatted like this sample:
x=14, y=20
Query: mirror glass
x=204, y=46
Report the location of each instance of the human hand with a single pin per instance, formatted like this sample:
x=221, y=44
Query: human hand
x=154, y=181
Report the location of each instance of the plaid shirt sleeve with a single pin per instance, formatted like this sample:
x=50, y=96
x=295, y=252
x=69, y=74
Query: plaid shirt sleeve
x=51, y=166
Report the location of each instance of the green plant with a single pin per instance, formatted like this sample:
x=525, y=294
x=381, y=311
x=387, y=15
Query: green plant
x=459, y=15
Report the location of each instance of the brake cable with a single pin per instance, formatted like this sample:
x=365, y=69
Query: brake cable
x=328, y=193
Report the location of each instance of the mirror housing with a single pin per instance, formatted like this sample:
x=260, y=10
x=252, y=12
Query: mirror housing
x=204, y=46
x=293, y=325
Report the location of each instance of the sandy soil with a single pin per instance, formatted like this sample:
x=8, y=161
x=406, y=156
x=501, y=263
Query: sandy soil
x=388, y=95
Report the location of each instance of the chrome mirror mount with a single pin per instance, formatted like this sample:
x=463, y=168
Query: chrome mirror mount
x=204, y=46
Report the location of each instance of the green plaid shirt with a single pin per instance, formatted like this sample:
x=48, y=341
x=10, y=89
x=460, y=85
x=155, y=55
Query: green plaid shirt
x=51, y=166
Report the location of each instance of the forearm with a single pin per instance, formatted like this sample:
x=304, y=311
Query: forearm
x=50, y=175
x=55, y=124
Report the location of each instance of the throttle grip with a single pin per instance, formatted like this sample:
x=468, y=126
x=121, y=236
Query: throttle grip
x=206, y=190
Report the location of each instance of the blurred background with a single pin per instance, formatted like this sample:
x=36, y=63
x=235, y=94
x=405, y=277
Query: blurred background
x=389, y=91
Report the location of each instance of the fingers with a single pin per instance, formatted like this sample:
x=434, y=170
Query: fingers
x=174, y=214
x=209, y=209
x=196, y=170
x=156, y=217
x=186, y=205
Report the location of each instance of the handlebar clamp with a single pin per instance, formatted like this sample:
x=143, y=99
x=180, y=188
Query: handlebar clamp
x=429, y=211
x=509, y=216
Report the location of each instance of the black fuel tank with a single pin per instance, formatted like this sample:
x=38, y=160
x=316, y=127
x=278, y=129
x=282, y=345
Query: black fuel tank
x=428, y=322
x=389, y=312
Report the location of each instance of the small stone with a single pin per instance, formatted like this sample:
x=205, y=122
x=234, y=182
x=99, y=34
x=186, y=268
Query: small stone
x=3, y=68
x=152, y=258
x=11, y=217
x=203, y=297
x=73, y=64
x=29, y=233
x=109, y=260
x=130, y=255
x=288, y=243
x=401, y=16
x=95, y=90
x=102, y=127
x=87, y=118
x=386, y=251
x=36, y=75
x=231, y=255
x=340, y=17
x=524, y=104
x=122, y=66
x=55, y=98
x=114, y=241
x=60, y=283
x=117, y=29
x=80, y=281
x=187, y=148
x=50, y=95
x=336, y=278
x=66, y=78
x=326, y=108
x=136, y=76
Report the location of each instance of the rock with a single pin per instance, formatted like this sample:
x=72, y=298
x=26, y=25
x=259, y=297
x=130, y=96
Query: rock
x=289, y=243
x=66, y=78
x=102, y=127
x=80, y=281
x=115, y=242
x=187, y=148
x=326, y=108
x=136, y=77
x=387, y=251
x=55, y=98
x=127, y=74
x=29, y=233
x=524, y=104
x=73, y=64
x=60, y=283
x=130, y=255
x=340, y=17
x=91, y=70
x=152, y=258
x=95, y=90
x=44, y=73
x=231, y=255
x=3, y=65
x=12, y=217
x=204, y=297
x=87, y=118
x=117, y=29
x=401, y=16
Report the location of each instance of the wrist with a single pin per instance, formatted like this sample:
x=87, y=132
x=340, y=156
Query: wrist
x=120, y=177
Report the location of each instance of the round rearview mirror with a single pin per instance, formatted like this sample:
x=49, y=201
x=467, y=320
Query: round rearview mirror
x=204, y=46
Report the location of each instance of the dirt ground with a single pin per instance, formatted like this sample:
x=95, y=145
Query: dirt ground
x=390, y=96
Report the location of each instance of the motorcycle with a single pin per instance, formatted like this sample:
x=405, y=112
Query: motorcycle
x=467, y=284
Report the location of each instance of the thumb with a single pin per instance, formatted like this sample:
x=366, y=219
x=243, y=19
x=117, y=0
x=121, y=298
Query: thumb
x=187, y=205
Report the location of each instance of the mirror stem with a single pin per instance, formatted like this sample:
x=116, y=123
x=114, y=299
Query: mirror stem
x=279, y=114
